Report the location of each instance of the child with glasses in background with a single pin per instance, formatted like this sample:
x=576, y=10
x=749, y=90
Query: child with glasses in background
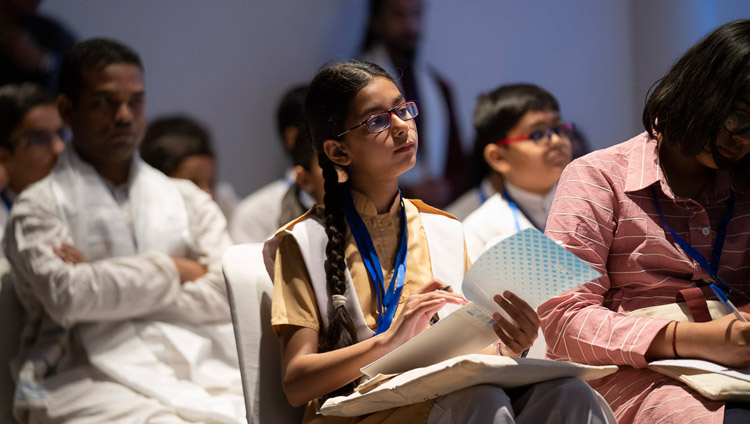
x=32, y=136
x=522, y=137
x=361, y=275
x=662, y=216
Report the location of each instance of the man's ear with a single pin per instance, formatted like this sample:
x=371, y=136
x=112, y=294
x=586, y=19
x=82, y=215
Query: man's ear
x=497, y=158
x=65, y=107
x=337, y=152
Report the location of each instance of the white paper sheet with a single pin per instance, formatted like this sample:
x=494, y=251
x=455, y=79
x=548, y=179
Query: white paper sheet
x=528, y=263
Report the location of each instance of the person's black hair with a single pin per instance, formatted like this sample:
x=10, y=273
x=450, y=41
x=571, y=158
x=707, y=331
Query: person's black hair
x=289, y=112
x=498, y=111
x=15, y=101
x=95, y=53
x=303, y=152
x=172, y=139
x=327, y=106
x=688, y=106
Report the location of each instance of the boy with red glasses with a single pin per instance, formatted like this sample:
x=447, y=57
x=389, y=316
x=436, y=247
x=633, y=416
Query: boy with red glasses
x=522, y=137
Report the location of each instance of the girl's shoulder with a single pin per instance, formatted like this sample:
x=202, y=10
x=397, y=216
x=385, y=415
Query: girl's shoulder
x=425, y=208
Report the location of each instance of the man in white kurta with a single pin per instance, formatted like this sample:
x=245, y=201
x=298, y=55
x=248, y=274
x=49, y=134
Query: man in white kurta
x=118, y=268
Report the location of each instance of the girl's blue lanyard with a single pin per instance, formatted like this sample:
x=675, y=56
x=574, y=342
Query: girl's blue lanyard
x=388, y=301
x=517, y=210
x=6, y=201
x=718, y=246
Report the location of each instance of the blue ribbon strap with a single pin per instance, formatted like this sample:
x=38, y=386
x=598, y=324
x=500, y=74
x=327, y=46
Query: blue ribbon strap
x=713, y=267
x=387, y=298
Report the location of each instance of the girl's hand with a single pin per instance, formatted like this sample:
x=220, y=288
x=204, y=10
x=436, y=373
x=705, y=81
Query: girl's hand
x=725, y=341
x=417, y=311
x=519, y=335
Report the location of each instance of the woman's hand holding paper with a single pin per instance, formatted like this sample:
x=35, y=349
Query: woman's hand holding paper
x=519, y=335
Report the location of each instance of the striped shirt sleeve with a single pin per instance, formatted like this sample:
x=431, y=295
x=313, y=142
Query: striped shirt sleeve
x=577, y=324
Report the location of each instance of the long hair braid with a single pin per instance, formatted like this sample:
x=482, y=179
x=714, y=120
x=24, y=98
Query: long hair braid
x=327, y=104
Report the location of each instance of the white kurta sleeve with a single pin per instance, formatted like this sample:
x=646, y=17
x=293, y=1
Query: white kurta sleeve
x=205, y=299
x=109, y=290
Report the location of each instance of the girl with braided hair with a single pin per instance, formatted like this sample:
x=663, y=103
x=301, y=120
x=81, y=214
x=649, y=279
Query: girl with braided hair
x=358, y=277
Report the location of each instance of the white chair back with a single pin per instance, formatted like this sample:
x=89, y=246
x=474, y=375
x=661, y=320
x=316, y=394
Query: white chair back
x=11, y=320
x=250, y=288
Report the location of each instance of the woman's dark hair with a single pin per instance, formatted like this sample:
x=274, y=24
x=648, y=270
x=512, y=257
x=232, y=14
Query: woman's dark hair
x=498, y=111
x=689, y=105
x=15, y=101
x=327, y=106
x=94, y=53
x=172, y=139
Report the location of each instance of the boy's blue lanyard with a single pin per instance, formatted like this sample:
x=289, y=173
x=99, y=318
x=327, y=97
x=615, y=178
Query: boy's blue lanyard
x=515, y=209
x=718, y=245
x=6, y=201
x=388, y=301
x=482, y=195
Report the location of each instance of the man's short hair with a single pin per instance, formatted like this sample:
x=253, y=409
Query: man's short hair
x=170, y=140
x=498, y=111
x=289, y=112
x=95, y=53
x=15, y=101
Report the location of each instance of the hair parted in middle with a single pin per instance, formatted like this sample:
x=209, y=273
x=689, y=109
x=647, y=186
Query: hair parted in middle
x=327, y=105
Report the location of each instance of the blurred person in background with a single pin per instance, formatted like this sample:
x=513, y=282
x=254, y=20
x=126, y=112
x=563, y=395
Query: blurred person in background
x=258, y=215
x=392, y=41
x=32, y=136
x=31, y=45
x=181, y=147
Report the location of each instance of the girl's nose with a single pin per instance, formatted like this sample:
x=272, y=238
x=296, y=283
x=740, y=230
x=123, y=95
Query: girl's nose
x=398, y=126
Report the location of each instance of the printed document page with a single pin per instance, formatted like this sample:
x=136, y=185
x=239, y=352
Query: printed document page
x=528, y=263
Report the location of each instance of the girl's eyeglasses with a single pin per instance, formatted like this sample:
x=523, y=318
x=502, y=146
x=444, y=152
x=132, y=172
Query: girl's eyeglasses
x=382, y=121
x=738, y=123
x=542, y=137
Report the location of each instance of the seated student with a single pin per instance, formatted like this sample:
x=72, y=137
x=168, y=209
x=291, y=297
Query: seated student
x=257, y=216
x=325, y=306
x=523, y=139
x=118, y=269
x=32, y=136
x=486, y=183
x=307, y=190
x=180, y=147
x=627, y=210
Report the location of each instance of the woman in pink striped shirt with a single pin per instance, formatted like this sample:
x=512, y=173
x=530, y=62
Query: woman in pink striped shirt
x=692, y=164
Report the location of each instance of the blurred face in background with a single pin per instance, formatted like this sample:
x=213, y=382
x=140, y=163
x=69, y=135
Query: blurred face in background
x=399, y=25
x=200, y=169
x=36, y=143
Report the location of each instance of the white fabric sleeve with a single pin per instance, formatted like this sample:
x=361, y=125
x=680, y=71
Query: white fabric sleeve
x=108, y=290
x=205, y=299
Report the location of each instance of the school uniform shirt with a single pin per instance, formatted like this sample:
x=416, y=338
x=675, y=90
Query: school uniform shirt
x=294, y=300
x=496, y=220
x=471, y=200
x=256, y=217
x=604, y=213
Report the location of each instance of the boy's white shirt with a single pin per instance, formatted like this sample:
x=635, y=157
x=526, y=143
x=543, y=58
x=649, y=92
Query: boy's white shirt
x=494, y=220
x=472, y=199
